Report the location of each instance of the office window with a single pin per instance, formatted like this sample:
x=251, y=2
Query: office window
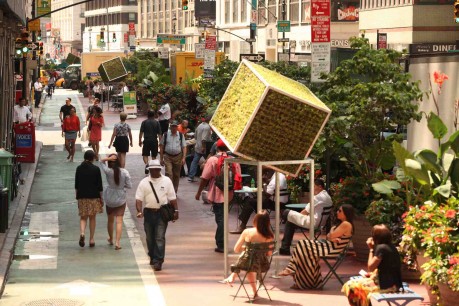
x=131, y=16
x=235, y=11
x=262, y=12
x=227, y=11
x=243, y=11
x=306, y=11
x=294, y=11
x=271, y=11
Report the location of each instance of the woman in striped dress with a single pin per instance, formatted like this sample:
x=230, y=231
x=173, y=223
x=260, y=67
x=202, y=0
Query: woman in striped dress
x=304, y=265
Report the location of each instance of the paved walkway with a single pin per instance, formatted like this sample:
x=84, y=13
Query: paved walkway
x=49, y=264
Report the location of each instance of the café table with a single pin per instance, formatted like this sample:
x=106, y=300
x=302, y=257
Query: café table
x=296, y=207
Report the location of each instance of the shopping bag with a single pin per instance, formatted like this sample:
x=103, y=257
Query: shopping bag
x=84, y=135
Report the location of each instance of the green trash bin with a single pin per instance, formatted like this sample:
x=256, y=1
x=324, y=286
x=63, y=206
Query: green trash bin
x=6, y=168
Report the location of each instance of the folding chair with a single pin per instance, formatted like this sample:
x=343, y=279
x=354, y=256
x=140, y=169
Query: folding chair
x=319, y=227
x=254, y=251
x=333, y=263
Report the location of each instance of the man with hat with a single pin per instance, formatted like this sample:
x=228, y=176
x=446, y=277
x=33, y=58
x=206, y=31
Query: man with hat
x=214, y=194
x=173, y=152
x=203, y=134
x=153, y=191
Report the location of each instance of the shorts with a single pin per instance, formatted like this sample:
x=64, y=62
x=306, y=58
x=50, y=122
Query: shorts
x=150, y=148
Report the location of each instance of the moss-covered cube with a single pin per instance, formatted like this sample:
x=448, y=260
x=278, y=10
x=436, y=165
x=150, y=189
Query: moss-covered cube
x=112, y=70
x=268, y=117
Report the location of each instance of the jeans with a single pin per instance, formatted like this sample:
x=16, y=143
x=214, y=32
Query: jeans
x=37, y=98
x=289, y=231
x=155, y=230
x=195, y=165
x=217, y=208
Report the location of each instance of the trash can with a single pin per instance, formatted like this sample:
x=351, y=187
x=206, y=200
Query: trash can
x=4, y=198
x=6, y=167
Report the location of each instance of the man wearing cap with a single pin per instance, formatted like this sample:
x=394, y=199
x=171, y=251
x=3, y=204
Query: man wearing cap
x=203, y=134
x=155, y=227
x=173, y=152
x=214, y=194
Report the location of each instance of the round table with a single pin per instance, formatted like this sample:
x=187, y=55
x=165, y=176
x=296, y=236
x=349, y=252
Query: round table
x=296, y=207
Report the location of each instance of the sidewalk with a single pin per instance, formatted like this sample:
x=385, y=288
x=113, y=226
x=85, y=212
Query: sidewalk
x=49, y=264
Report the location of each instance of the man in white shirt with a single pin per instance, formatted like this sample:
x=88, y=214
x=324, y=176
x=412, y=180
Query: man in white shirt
x=155, y=227
x=21, y=113
x=203, y=134
x=303, y=219
x=38, y=89
x=250, y=204
x=164, y=116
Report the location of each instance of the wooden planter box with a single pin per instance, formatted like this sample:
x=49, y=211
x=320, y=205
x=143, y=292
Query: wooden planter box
x=265, y=116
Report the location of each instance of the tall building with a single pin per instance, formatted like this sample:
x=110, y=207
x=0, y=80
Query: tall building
x=67, y=27
x=111, y=25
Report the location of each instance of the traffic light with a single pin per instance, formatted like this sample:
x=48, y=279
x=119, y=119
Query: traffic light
x=102, y=36
x=114, y=37
x=18, y=46
x=39, y=36
x=40, y=48
x=185, y=5
x=456, y=11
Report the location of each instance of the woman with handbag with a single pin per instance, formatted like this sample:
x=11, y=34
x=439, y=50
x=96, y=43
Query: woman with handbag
x=122, y=132
x=115, y=196
x=260, y=232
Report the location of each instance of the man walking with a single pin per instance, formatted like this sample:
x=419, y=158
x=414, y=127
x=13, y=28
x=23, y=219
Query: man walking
x=214, y=194
x=65, y=109
x=150, y=130
x=154, y=191
x=303, y=219
x=21, y=113
x=164, y=116
x=38, y=89
x=203, y=134
x=173, y=153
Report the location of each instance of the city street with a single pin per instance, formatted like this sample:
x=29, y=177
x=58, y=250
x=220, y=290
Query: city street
x=49, y=265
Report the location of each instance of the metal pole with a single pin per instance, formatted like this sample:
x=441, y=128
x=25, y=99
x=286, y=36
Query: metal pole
x=284, y=16
x=225, y=215
x=108, y=32
x=24, y=70
x=34, y=53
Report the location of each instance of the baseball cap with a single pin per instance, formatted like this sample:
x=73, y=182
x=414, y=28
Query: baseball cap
x=154, y=164
x=174, y=123
x=220, y=143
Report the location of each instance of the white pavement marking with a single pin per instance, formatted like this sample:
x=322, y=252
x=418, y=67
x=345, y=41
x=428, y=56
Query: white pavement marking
x=81, y=287
x=154, y=294
x=44, y=250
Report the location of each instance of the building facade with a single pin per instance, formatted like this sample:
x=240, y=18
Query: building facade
x=67, y=28
x=111, y=25
x=13, y=14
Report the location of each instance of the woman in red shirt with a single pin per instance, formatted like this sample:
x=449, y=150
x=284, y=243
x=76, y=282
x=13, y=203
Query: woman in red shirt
x=71, y=126
x=97, y=122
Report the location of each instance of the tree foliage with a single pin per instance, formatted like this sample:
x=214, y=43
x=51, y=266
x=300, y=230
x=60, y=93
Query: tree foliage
x=141, y=63
x=368, y=94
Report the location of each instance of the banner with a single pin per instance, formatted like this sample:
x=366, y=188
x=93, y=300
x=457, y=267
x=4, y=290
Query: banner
x=205, y=8
x=43, y=7
x=130, y=102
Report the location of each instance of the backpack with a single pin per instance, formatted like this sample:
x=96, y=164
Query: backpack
x=165, y=139
x=234, y=178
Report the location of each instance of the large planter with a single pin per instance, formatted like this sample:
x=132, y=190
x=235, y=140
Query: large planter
x=420, y=259
x=448, y=297
x=362, y=230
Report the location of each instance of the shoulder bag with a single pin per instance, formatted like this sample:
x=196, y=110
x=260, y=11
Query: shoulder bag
x=167, y=211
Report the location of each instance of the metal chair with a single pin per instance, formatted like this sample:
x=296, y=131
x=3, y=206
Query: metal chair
x=333, y=263
x=254, y=252
x=319, y=227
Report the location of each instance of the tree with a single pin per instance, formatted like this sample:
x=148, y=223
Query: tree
x=368, y=94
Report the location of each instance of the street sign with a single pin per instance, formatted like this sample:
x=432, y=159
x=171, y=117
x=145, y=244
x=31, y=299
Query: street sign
x=199, y=50
x=211, y=42
x=34, y=25
x=163, y=53
x=283, y=39
x=283, y=25
x=320, y=21
x=252, y=57
x=32, y=46
x=253, y=26
x=250, y=40
x=170, y=39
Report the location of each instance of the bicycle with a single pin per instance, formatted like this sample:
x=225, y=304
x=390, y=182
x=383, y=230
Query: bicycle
x=16, y=176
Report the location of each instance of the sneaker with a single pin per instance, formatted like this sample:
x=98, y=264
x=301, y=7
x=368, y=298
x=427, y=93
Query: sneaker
x=283, y=251
x=191, y=179
x=219, y=250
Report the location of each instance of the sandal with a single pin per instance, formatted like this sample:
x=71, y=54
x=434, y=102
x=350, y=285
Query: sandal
x=117, y=248
x=81, y=242
x=110, y=241
x=286, y=272
x=226, y=281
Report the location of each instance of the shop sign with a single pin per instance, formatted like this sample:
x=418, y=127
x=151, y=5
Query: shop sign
x=350, y=13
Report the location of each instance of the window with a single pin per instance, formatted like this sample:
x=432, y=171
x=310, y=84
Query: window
x=243, y=11
x=235, y=11
x=131, y=16
x=262, y=12
x=294, y=11
x=272, y=11
x=306, y=11
x=227, y=11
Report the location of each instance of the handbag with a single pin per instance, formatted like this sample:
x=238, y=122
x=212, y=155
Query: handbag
x=167, y=211
x=84, y=135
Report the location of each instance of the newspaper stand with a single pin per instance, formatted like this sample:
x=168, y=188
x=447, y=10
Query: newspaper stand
x=260, y=165
x=25, y=142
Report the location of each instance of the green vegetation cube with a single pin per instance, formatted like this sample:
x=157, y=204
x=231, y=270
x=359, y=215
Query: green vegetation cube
x=112, y=70
x=265, y=116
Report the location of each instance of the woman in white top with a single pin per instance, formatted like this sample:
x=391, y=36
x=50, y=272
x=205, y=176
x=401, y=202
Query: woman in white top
x=115, y=196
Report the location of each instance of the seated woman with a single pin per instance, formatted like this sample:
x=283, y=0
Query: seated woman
x=261, y=232
x=384, y=260
x=304, y=265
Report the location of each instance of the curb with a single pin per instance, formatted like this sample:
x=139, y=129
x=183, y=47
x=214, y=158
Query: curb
x=11, y=235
